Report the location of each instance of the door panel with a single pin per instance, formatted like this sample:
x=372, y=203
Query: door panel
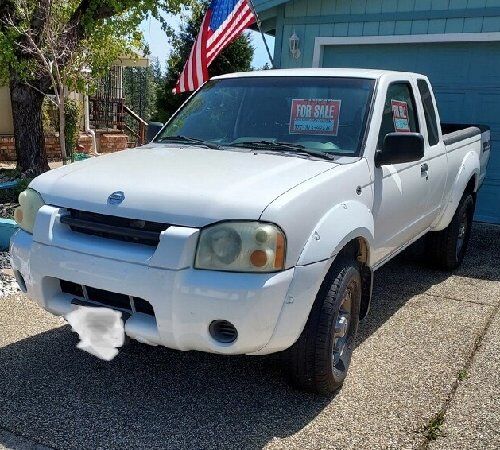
x=398, y=206
x=435, y=157
x=400, y=190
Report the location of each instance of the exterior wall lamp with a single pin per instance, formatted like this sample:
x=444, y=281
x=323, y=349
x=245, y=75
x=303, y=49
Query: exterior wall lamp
x=294, y=42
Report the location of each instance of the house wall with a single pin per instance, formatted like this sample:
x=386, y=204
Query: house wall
x=341, y=18
x=440, y=38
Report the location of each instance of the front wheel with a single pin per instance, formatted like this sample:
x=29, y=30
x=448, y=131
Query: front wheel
x=319, y=360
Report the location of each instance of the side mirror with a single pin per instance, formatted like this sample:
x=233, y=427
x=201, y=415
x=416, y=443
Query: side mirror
x=400, y=148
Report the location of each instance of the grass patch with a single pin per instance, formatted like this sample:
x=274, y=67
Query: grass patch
x=462, y=375
x=433, y=429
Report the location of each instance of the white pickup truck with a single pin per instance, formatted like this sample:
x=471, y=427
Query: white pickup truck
x=255, y=220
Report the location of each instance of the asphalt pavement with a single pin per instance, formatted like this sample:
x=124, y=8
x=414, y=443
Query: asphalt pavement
x=425, y=374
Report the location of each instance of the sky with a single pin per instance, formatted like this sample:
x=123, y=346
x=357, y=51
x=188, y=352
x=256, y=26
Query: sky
x=160, y=48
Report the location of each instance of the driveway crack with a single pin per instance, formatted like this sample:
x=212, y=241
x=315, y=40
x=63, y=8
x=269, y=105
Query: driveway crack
x=18, y=441
x=473, y=302
x=432, y=430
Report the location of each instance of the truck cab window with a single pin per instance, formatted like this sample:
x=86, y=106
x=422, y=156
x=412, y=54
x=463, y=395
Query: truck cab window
x=322, y=114
x=400, y=112
x=429, y=112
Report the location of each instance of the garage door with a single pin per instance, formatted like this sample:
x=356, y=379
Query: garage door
x=466, y=80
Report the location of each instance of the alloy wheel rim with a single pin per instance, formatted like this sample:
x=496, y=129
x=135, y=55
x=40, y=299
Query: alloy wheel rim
x=462, y=233
x=341, y=335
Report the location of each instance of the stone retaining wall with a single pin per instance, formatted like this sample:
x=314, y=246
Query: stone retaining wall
x=112, y=142
x=106, y=143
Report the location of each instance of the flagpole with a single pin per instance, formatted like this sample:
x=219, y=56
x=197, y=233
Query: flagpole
x=250, y=3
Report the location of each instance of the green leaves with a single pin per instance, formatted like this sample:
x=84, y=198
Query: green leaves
x=74, y=34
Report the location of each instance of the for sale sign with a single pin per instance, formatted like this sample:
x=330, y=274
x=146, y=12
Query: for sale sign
x=400, y=115
x=315, y=116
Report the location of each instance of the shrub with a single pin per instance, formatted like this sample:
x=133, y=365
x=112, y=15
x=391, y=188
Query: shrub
x=72, y=116
x=50, y=117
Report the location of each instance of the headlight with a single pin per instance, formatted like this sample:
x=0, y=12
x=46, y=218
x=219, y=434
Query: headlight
x=30, y=202
x=241, y=247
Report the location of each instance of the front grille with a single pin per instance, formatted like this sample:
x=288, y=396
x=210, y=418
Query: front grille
x=112, y=300
x=113, y=227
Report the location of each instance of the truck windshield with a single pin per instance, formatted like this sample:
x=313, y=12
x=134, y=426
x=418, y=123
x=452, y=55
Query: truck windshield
x=326, y=115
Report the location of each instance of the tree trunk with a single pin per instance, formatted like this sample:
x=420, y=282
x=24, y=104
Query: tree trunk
x=28, y=128
x=62, y=126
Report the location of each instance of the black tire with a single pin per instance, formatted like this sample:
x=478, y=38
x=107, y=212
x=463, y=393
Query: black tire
x=310, y=363
x=447, y=248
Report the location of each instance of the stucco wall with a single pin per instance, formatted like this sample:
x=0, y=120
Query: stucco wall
x=6, y=126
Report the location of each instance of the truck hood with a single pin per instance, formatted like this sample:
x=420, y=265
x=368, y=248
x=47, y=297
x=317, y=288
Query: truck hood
x=190, y=186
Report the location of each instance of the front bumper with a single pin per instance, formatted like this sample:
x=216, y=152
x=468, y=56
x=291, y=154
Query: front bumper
x=268, y=310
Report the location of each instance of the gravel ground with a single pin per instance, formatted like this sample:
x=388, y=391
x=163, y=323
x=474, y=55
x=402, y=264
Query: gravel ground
x=7, y=210
x=4, y=260
x=422, y=332
x=8, y=284
x=473, y=416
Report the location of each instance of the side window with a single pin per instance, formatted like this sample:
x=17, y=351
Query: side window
x=429, y=111
x=400, y=112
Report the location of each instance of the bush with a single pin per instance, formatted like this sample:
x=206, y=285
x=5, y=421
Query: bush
x=50, y=117
x=73, y=117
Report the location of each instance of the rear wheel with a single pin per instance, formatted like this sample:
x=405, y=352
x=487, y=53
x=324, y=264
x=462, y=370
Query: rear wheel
x=448, y=247
x=320, y=359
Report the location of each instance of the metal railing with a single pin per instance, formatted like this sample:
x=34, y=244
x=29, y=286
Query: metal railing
x=108, y=110
x=137, y=128
x=107, y=113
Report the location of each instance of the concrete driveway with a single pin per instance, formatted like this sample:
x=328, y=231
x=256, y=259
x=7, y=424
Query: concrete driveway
x=425, y=374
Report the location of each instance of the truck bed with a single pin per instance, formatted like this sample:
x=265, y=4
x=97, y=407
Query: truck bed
x=455, y=132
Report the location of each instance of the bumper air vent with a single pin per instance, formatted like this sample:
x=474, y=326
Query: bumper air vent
x=223, y=331
x=99, y=297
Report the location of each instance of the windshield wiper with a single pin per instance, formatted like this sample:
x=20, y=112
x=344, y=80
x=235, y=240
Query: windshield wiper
x=283, y=147
x=189, y=140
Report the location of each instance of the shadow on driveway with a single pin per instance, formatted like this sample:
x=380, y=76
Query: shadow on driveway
x=158, y=398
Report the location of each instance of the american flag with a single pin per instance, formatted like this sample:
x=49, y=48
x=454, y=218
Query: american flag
x=223, y=23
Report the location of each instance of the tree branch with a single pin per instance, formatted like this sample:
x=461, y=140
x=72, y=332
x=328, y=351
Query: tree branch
x=82, y=21
x=45, y=94
x=7, y=12
x=33, y=48
x=92, y=11
x=40, y=19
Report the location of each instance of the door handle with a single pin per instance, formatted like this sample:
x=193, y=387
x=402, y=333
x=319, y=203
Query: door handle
x=424, y=170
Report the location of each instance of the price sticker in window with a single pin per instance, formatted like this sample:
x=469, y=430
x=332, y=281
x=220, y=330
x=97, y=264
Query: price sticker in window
x=400, y=116
x=319, y=117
